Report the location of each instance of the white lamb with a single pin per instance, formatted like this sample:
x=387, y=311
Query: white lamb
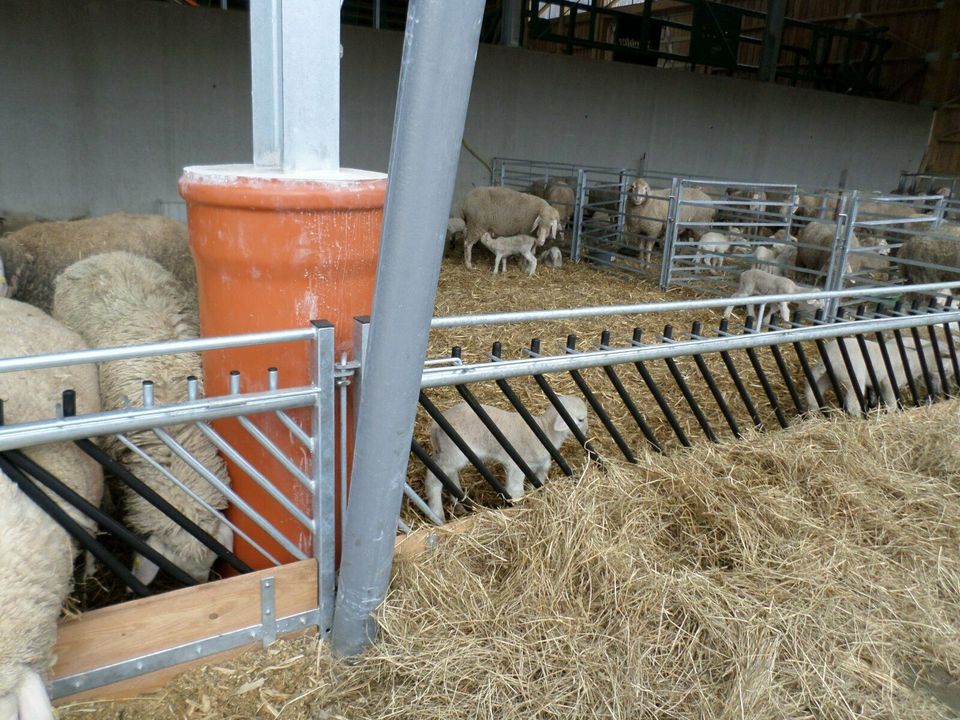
x=861, y=377
x=712, y=246
x=466, y=423
x=119, y=299
x=552, y=257
x=755, y=283
x=504, y=247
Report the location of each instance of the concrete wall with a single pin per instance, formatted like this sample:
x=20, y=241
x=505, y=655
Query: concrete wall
x=103, y=101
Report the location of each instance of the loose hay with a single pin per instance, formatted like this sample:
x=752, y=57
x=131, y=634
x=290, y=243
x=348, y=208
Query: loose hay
x=803, y=574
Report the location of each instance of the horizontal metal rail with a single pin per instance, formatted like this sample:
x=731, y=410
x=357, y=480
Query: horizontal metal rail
x=452, y=321
x=39, y=432
x=601, y=358
x=127, y=352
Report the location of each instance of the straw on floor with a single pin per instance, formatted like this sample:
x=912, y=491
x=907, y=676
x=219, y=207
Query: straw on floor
x=810, y=573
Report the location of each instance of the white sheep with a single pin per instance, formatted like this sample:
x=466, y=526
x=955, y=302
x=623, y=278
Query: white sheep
x=456, y=230
x=861, y=376
x=552, y=257
x=36, y=254
x=119, y=299
x=712, y=246
x=504, y=247
x=36, y=554
x=776, y=259
x=647, y=209
x=475, y=434
x=503, y=212
x=754, y=283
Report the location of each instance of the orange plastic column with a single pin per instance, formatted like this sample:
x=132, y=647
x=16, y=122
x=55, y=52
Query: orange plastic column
x=274, y=252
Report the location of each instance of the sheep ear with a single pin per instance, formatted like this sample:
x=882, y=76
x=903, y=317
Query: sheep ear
x=146, y=570
x=32, y=699
x=536, y=224
x=559, y=424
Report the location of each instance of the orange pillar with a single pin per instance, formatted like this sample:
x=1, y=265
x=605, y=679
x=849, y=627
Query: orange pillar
x=273, y=252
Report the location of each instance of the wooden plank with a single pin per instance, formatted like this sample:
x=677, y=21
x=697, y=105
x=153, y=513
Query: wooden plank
x=138, y=627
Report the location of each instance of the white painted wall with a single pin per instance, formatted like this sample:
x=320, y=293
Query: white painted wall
x=103, y=101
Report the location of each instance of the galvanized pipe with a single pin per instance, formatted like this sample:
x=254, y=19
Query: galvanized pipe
x=436, y=73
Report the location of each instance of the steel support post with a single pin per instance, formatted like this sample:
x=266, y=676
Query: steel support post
x=439, y=53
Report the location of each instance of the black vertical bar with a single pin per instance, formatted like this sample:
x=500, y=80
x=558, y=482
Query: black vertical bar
x=762, y=377
x=885, y=354
x=558, y=406
x=495, y=430
x=531, y=422
x=461, y=444
x=431, y=465
x=784, y=371
x=714, y=390
x=687, y=395
x=737, y=381
x=948, y=334
x=941, y=370
x=905, y=359
x=627, y=400
x=658, y=396
x=921, y=356
x=854, y=381
x=808, y=373
x=598, y=408
x=827, y=364
x=865, y=355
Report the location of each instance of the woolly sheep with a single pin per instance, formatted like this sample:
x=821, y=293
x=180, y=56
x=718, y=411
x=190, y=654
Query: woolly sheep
x=942, y=250
x=504, y=212
x=563, y=198
x=759, y=282
x=35, y=255
x=775, y=260
x=36, y=555
x=552, y=257
x=711, y=248
x=118, y=299
x=504, y=247
x=456, y=230
x=815, y=246
x=861, y=377
x=466, y=423
x=646, y=212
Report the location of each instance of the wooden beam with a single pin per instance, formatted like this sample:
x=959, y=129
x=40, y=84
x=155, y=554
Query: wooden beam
x=135, y=628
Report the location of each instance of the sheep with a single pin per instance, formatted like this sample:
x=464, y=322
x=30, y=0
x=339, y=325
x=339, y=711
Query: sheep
x=941, y=251
x=646, y=213
x=711, y=248
x=456, y=230
x=861, y=376
x=563, y=198
x=552, y=257
x=504, y=247
x=504, y=212
x=775, y=260
x=36, y=555
x=760, y=282
x=466, y=424
x=118, y=299
x=35, y=255
x=815, y=247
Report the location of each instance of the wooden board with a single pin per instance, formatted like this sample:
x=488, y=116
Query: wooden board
x=146, y=625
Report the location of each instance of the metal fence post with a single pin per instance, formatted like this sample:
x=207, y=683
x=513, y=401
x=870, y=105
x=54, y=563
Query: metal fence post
x=323, y=470
x=671, y=232
x=439, y=53
x=837, y=271
x=622, y=203
x=578, y=215
x=361, y=336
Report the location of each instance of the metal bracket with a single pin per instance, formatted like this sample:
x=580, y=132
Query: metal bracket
x=268, y=611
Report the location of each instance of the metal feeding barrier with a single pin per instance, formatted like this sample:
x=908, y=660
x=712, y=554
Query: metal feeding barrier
x=791, y=365
x=150, y=430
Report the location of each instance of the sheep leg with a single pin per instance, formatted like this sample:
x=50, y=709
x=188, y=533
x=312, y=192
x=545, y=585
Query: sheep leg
x=496, y=264
x=785, y=313
x=514, y=480
x=531, y=261
x=470, y=239
x=729, y=310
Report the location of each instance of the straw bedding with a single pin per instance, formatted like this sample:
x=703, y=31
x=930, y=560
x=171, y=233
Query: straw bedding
x=805, y=574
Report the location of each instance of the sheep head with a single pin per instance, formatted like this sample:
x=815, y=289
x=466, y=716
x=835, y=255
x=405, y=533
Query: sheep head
x=639, y=190
x=547, y=224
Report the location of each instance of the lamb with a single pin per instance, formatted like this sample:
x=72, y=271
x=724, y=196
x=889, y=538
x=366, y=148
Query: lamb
x=504, y=212
x=35, y=255
x=862, y=376
x=711, y=248
x=118, y=299
x=456, y=230
x=646, y=212
x=466, y=423
x=36, y=554
x=552, y=257
x=504, y=247
x=759, y=282
x=776, y=259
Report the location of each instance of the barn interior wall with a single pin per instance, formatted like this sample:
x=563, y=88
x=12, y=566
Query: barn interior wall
x=104, y=101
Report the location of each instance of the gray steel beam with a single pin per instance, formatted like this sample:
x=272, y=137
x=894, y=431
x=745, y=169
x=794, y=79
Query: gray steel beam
x=439, y=53
x=772, y=35
x=510, y=23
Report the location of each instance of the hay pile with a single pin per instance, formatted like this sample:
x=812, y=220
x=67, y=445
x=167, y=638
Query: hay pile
x=804, y=574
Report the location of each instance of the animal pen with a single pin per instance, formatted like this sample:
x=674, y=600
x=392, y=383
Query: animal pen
x=640, y=388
